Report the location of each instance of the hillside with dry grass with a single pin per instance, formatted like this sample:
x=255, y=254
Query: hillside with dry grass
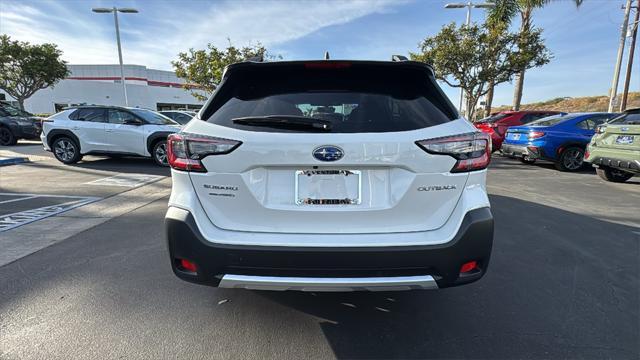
x=578, y=104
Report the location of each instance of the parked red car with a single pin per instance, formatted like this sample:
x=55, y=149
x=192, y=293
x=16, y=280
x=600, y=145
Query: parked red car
x=497, y=124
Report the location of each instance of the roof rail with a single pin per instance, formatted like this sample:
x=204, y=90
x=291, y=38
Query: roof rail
x=257, y=58
x=399, y=58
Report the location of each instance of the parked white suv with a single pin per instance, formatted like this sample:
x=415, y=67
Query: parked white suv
x=329, y=176
x=107, y=130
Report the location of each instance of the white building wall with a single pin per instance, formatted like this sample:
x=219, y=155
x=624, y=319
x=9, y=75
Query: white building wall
x=92, y=90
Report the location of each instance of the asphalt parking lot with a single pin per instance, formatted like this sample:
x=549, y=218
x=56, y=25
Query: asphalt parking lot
x=563, y=280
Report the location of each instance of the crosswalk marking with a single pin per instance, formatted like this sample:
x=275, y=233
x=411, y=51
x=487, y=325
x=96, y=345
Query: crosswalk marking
x=11, y=221
x=127, y=180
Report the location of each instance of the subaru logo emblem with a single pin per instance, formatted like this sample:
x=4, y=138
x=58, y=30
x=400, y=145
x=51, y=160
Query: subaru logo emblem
x=328, y=153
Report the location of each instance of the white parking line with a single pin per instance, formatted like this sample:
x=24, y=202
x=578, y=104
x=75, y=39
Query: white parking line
x=18, y=199
x=11, y=221
x=45, y=195
x=127, y=180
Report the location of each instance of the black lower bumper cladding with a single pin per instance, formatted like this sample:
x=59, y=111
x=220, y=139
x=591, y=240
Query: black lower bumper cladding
x=618, y=164
x=473, y=242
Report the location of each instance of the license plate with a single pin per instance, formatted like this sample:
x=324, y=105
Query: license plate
x=328, y=187
x=624, y=139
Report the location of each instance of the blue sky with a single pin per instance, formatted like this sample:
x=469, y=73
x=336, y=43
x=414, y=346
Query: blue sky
x=583, y=41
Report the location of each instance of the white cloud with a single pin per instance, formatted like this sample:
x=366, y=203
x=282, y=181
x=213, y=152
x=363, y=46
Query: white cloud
x=163, y=29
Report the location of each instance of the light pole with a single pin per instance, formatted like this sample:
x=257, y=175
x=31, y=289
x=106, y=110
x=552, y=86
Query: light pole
x=633, y=29
x=616, y=71
x=469, y=5
x=115, y=11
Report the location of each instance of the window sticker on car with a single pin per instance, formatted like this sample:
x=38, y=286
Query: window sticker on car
x=624, y=139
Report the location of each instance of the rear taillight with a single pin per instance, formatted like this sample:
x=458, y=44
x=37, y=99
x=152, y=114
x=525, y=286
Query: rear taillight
x=472, y=150
x=486, y=127
x=185, y=151
x=535, y=134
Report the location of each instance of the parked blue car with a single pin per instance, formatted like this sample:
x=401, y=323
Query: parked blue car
x=560, y=139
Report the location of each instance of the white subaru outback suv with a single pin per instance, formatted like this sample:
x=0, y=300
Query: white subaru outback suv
x=329, y=176
x=107, y=130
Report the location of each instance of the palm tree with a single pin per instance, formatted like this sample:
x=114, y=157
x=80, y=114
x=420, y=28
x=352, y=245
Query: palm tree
x=502, y=15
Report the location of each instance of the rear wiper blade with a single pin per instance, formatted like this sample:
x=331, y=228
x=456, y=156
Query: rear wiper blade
x=285, y=121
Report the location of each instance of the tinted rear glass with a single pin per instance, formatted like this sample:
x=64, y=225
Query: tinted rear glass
x=630, y=118
x=494, y=118
x=551, y=120
x=14, y=111
x=89, y=114
x=152, y=117
x=353, y=100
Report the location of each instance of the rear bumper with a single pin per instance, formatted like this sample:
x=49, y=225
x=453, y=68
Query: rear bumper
x=330, y=268
x=522, y=151
x=622, y=164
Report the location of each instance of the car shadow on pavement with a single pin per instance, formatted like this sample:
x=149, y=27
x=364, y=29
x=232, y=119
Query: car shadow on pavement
x=123, y=165
x=560, y=285
x=501, y=162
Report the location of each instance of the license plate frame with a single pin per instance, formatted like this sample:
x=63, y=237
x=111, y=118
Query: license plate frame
x=306, y=200
x=624, y=139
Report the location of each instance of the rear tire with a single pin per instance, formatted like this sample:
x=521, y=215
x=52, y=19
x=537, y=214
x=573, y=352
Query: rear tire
x=571, y=159
x=159, y=153
x=6, y=137
x=613, y=175
x=66, y=150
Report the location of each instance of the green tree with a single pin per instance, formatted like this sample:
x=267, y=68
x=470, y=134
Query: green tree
x=497, y=24
x=26, y=68
x=202, y=69
x=470, y=57
x=504, y=12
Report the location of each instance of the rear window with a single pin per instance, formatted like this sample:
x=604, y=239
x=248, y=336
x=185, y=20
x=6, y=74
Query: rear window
x=494, y=118
x=552, y=120
x=351, y=100
x=89, y=114
x=152, y=117
x=630, y=118
x=13, y=111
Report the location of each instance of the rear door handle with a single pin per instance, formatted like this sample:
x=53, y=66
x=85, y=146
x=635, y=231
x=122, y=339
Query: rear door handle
x=75, y=128
x=109, y=130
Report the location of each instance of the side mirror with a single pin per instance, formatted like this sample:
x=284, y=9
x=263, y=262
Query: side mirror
x=133, y=122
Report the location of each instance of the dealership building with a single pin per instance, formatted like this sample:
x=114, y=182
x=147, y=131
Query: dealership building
x=101, y=85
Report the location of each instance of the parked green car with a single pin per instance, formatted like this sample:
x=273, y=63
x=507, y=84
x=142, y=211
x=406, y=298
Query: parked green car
x=615, y=148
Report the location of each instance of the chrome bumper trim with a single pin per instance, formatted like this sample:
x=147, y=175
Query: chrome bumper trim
x=328, y=284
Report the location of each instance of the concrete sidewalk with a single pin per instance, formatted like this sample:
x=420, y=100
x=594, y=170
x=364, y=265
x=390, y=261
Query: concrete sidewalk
x=30, y=150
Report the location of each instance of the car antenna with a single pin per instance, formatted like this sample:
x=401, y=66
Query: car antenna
x=326, y=55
